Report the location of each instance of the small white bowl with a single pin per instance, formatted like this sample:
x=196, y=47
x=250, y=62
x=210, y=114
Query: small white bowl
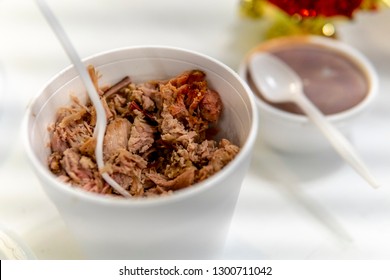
x=12, y=247
x=191, y=223
x=294, y=133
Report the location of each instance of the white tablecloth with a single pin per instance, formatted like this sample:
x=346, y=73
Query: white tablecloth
x=290, y=207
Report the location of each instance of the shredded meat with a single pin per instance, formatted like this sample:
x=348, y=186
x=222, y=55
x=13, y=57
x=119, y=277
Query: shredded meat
x=157, y=140
x=141, y=136
x=116, y=137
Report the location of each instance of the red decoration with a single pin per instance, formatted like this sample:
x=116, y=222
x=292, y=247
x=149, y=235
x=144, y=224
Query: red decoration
x=312, y=8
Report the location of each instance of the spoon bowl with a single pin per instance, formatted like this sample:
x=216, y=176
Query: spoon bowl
x=274, y=78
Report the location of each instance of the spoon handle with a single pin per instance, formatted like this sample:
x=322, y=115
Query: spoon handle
x=339, y=142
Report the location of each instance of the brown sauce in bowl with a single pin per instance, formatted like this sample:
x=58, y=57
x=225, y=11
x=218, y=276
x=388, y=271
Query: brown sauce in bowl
x=332, y=81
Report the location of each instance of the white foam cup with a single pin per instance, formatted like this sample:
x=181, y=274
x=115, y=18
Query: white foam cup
x=189, y=224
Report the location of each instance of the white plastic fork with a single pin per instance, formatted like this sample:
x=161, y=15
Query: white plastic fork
x=101, y=121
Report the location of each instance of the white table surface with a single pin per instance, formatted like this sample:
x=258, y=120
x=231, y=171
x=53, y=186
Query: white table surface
x=290, y=207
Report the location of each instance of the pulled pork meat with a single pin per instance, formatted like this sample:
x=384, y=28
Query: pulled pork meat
x=157, y=139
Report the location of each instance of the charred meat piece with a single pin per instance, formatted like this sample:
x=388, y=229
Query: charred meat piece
x=211, y=106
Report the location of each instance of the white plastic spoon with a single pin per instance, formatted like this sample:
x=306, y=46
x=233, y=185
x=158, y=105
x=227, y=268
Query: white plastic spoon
x=279, y=83
x=101, y=121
